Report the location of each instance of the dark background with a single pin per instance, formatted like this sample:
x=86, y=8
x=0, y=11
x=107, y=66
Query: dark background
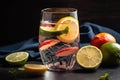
x=20, y=18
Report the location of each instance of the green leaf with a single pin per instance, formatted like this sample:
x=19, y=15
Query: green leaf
x=104, y=77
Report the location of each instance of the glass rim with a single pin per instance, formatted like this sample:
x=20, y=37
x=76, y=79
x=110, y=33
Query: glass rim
x=59, y=10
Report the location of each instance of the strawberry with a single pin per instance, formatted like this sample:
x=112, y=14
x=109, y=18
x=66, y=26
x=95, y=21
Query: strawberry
x=66, y=51
x=48, y=43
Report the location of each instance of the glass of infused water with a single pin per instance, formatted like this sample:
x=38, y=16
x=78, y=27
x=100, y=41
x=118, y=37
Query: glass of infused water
x=59, y=38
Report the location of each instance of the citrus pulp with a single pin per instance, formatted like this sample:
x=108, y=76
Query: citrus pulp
x=35, y=69
x=89, y=57
x=17, y=58
x=73, y=29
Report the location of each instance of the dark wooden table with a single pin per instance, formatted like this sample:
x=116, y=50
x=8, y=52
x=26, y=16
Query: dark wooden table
x=76, y=74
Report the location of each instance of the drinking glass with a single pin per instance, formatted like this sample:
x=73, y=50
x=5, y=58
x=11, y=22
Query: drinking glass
x=56, y=46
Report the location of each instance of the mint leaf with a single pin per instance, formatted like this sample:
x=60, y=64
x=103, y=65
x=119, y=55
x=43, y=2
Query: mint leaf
x=104, y=77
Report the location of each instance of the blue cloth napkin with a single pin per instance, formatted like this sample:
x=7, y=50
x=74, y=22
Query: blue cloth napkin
x=87, y=31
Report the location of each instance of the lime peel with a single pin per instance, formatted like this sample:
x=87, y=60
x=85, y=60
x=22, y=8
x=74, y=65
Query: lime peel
x=17, y=58
x=111, y=54
x=50, y=31
x=89, y=57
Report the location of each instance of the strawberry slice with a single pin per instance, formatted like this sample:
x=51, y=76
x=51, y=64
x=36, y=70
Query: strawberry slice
x=48, y=43
x=66, y=51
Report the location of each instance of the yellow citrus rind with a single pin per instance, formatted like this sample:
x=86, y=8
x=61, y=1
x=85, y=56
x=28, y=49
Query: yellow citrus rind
x=35, y=69
x=73, y=29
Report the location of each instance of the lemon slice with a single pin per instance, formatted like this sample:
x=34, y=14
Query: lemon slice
x=35, y=69
x=50, y=31
x=17, y=58
x=73, y=31
x=89, y=57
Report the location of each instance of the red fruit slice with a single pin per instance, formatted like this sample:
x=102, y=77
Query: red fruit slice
x=48, y=43
x=66, y=51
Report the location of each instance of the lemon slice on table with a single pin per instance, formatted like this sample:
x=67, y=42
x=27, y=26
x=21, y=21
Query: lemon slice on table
x=17, y=58
x=73, y=31
x=50, y=31
x=89, y=57
x=35, y=69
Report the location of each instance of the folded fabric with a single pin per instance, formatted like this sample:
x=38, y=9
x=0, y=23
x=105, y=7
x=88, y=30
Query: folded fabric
x=87, y=31
x=30, y=46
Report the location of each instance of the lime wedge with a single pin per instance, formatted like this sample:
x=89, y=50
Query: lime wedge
x=17, y=58
x=89, y=57
x=50, y=31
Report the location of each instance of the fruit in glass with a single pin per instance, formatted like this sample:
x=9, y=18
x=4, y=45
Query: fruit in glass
x=59, y=38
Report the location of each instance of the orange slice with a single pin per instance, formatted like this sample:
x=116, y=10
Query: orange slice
x=35, y=69
x=73, y=29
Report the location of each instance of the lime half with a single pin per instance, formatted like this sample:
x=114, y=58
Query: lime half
x=17, y=58
x=89, y=57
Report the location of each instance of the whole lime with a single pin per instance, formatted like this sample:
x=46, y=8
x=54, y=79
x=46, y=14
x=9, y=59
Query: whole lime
x=111, y=53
